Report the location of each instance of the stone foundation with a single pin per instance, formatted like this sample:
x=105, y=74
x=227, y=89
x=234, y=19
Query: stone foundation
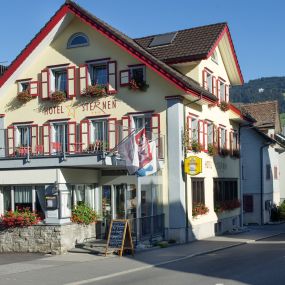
x=54, y=239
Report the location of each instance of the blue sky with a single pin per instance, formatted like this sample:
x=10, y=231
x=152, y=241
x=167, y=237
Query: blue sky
x=257, y=26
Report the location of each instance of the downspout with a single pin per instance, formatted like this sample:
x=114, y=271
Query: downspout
x=184, y=174
x=262, y=182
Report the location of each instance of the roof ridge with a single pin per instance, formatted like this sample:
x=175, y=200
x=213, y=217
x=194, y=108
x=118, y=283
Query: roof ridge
x=177, y=31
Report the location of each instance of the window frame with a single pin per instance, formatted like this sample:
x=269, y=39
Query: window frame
x=198, y=198
x=73, y=36
x=137, y=66
x=220, y=194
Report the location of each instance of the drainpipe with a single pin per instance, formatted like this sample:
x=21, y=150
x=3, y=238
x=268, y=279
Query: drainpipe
x=262, y=182
x=185, y=175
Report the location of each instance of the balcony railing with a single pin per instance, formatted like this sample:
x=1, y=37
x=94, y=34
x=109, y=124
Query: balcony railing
x=37, y=148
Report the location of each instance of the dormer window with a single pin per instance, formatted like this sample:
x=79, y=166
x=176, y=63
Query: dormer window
x=78, y=40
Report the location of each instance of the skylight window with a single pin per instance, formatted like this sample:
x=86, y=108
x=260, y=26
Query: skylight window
x=162, y=40
x=78, y=40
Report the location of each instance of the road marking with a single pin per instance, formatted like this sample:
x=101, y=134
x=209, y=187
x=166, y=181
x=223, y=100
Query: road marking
x=104, y=277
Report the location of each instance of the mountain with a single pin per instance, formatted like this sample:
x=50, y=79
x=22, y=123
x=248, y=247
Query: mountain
x=263, y=89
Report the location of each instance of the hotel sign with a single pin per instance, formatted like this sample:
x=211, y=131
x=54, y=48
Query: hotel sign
x=193, y=165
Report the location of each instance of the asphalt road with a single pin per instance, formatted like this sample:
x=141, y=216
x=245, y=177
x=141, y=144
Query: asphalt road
x=254, y=264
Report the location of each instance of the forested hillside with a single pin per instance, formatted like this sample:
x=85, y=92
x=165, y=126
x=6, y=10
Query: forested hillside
x=263, y=89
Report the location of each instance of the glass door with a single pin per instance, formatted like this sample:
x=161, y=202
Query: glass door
x=120, y=201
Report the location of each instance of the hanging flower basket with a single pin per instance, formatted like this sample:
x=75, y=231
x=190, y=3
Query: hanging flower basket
x=95, y=91
x=199, y=209
x=58, y=97
x=224, y=106
x=138, y=85
x=24, y=97
x=227, y=206
x=196, y=146
x=212, y=149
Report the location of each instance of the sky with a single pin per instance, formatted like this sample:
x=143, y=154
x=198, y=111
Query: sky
x=256, y=26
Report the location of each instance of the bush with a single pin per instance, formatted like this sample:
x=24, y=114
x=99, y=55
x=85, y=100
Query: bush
x=83, y=214
x=19, y=218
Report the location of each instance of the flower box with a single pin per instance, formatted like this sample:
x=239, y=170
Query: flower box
x=224, y=106
x=212, y=149
x=195, y=146
x=227, y=206
x=24, y=97
x=138, y=85
x=96, y=90
x=199, y=209
x=58, y=97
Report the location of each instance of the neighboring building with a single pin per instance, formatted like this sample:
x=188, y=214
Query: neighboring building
x=261, y=152
x=66, y=149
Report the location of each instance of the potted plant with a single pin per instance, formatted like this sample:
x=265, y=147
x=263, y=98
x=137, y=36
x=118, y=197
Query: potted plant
x=199, y=209
x=224, y=106
x=83, y=214
x=97, y=90
x=136, y=84
x=212, y=149
x=24, y=97
x=228, y=205
x=58, y=97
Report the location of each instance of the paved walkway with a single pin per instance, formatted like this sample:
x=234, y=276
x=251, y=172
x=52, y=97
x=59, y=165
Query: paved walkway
x=77, y=269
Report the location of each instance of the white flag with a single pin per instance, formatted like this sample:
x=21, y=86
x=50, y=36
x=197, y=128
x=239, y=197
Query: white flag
x=152, y=166
x=128, y=150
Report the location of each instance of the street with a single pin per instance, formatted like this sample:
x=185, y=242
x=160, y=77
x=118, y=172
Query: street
x=256, y=257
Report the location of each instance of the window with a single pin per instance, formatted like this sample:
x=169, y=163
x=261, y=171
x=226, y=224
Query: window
x=223, y=138
x=234, y=140
x=24, y=136
x=60, y=77
x=193, y=128
x=23, y=85
x=198, y=191
x=138, y=73
x=7, y=199
x=268, y=172
x=99, y=74
x=78, y=40
x=248, y=203
x=225, y=190
x=222, y=94
x=143, y=121
x=99, y=132
x=60, y=137
x=209, y=82
x=23, y=197
x=210, y=133
x=214, y=57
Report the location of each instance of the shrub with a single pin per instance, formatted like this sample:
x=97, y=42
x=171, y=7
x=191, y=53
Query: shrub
x=199, y=209
x=96, y=90
x=281, y=210
x=19, y=218
x=24, y=97
x=83, y=214
x=58, y=97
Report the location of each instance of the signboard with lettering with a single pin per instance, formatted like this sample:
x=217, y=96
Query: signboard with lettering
x=193, y=165
x=119, y=237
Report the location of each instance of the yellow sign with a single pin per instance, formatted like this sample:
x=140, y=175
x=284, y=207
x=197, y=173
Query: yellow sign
x=193, y=165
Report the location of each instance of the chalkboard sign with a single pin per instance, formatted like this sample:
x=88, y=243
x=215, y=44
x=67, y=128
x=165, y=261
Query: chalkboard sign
x=119, y=237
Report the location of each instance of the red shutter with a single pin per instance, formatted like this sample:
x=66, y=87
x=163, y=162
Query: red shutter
x=11, y=141
x=46, y=138
x=214, y=85
x=112, y=78
x=205, y=135
x=112, y=133
x=34, y=138
x=85, y=134
x=71, y=137
x=227, y=93
x=204, y=78
x=71, y=87
x=83, y=78
x=125, y=126
x=34, y=88
x=201, y=133
x=45, y=84
x=124, y=77
x=155, y=132
x=189, y=127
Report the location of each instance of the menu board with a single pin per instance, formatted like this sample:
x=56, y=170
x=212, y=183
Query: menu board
x=119, y=237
